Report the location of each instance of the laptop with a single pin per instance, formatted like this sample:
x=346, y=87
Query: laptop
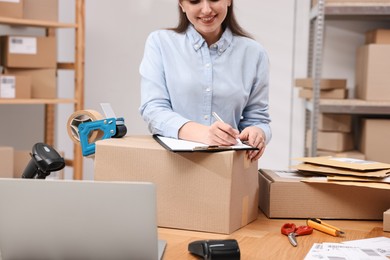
x=66, y=219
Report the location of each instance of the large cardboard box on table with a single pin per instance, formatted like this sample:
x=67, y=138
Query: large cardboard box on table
x=283, y=195
x=6, y=161
x=372, y=74
x=212, y=192
x=12, y=9
x=374, y=139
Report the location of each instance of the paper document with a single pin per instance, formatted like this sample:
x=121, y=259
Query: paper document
x=372, y=248
x=176, y=145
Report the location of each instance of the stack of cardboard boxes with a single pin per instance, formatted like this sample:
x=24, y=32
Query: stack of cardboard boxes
x=29, y=62
x=335, y=135
x=373, y=84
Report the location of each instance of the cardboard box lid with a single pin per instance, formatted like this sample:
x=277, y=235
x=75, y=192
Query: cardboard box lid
x=348, y=163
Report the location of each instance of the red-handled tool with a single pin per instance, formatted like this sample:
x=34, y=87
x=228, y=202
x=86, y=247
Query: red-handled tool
x=291, y=231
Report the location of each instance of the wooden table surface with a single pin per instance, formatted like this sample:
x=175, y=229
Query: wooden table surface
x=262, y=239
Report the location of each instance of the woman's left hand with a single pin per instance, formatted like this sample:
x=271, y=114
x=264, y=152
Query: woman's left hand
x=254, y=136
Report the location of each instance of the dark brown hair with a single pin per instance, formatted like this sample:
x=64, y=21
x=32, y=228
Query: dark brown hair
x=229, y=22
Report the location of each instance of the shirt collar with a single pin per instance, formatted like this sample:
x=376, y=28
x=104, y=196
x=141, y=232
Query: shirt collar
x=197, y=40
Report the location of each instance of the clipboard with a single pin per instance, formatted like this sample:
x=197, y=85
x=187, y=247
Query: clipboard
x=176, y=145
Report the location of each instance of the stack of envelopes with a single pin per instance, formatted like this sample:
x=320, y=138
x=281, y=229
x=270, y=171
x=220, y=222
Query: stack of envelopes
x=345, y=171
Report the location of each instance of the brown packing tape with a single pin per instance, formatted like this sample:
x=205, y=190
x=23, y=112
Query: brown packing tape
x=83, y=116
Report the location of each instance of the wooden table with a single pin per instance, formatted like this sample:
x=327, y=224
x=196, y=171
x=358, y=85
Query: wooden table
x=262, y=239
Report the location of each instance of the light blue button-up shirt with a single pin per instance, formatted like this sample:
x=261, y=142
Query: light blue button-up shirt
x=183, y=79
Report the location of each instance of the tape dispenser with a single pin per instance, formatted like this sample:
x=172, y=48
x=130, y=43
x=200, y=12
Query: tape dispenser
x=89, y=126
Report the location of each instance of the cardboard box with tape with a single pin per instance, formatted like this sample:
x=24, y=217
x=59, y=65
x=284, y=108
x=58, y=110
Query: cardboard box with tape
x=212, y=192
x=284, y=195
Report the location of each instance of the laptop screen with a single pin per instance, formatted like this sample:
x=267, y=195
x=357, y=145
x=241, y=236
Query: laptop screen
x=57, y=219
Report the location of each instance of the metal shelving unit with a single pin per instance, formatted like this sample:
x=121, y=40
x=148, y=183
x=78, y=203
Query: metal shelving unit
x=77, y=66
x=318, y=16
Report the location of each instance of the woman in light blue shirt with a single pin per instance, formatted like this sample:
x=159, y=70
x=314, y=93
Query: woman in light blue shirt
x=207, y=64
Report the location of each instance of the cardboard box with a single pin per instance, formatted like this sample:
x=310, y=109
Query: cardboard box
x=324, y=83
x=211, y=192
x=283, y=195
x=324, y=94
x=43, y=81
x=335, y=122
x=23, y=157
x=6, y=162
x=28, y=52
x=386, y=221
x=12, y=86
x=374, y=139
x=378, y=36
x=333, y=141
x=46, y=10
x=13, y=9
x=372, y=74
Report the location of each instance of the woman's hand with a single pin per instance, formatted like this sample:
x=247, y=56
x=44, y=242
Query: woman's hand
x=218, y=133
x=254, y=136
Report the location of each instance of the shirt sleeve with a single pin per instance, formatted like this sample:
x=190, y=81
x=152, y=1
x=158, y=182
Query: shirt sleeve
x=256, y=110
x=155, y=108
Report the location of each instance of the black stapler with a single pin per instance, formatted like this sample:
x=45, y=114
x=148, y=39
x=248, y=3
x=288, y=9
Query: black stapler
x=226, y=249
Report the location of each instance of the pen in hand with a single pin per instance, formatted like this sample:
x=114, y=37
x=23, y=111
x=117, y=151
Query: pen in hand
x=216, y=116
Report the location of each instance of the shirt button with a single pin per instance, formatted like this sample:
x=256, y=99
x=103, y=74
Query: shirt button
x=206, y=117
x=207, y=65
x=196, y=46
x=208, y=89
x=220, y=50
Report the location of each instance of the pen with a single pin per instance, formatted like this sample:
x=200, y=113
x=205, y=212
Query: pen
x=216, y=116
x=324, y=227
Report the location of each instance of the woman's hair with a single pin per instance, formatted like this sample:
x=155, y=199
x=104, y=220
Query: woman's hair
x=230, y=22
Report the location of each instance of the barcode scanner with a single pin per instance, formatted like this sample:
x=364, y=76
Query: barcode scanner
x=44, y=160
x=226, y=249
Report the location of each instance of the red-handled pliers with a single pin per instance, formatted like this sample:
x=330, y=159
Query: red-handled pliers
x=291, y=231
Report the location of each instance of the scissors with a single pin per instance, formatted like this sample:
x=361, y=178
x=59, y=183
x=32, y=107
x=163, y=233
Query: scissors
x=291, y=231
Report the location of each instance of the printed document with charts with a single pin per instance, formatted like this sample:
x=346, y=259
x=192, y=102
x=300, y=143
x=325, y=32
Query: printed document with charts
x=176, y=145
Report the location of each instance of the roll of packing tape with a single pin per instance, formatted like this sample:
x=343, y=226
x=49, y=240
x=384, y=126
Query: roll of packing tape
x=83, y=116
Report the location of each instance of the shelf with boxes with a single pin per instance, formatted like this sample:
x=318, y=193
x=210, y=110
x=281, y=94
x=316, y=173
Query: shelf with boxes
x=29, y=62
x=327, y=99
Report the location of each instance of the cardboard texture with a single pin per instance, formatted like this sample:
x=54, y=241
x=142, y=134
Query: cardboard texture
x=347, y=154
x=28, y=52
x=23, y=157
x=386, y=221
x=324, y=83
x=333, y=141
x=374, y=141
x=46, y=10
x=212, y=192
x=283, y=195
x=43, y=81
x=378, y=36
x=335, y=122
x=324, y=94
x=6, y=162
x=372, y=75
x=11, y=9
x=12, y=86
